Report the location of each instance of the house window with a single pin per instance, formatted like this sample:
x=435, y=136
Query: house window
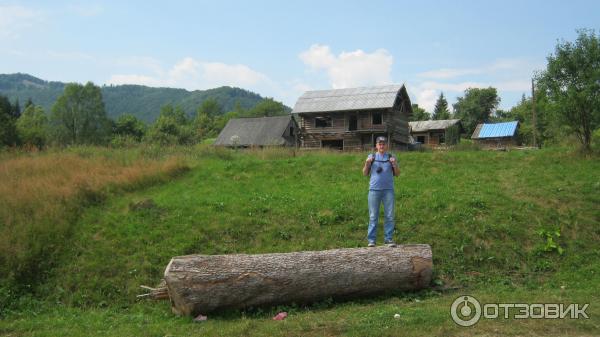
x=323, y=122
x=442, y=138
x=421, y=139
x=377, y=118
x=352, y=123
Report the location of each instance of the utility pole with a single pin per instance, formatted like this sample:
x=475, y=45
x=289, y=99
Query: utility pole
x=533, y=117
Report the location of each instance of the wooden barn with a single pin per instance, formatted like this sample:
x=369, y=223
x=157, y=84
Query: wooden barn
x=351, y=119
x=497, y=135
x=261, y=131
x=436, y=132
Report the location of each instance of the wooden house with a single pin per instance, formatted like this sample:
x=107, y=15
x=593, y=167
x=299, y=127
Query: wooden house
x=435, y=133
x=261, y=131
x=351, y=119
x=497, y=135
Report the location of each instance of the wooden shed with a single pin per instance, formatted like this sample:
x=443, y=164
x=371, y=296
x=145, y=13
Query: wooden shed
x=260, y=131
x=497, y=135
x=351, y=119
x=436, y=132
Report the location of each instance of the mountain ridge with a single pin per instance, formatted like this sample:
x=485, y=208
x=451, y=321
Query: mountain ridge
x=142, y=101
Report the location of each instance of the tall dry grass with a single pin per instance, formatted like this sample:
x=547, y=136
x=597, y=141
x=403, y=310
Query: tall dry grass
x=40, y=197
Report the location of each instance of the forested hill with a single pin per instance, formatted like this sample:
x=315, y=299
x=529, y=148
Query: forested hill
x=141, y=101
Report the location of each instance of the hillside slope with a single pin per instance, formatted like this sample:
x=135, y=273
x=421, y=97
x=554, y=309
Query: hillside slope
x=495, y=222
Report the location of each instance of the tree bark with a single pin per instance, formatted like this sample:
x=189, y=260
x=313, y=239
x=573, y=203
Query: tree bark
x=204, y=283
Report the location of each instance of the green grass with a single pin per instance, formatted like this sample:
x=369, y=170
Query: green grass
x=487, y=216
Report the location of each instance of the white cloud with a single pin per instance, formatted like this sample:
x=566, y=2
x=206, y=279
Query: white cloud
x=453, y=87
x=318, y=56
x=350, y=69
x=194, y=74
x=426, y=98
x=498, y=67
x=446, y=73
x=14, y=19
x=506, y=75
x=233, y=74
x=135, y=79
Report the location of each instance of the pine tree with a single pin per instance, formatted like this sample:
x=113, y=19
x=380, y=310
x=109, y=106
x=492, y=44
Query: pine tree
x=16, y=111
x=441, y=108
x=8, y=131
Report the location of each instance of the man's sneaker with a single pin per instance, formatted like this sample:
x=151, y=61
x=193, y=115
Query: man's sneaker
x=371, y=244
x=390, y=243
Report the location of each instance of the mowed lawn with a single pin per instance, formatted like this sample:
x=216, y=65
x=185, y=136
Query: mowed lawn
x=517, y=226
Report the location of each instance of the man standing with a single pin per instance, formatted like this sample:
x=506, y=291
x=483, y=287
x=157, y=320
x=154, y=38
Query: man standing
x=382, y=167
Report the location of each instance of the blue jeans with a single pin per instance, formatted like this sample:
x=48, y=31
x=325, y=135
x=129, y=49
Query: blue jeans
x=376, y=197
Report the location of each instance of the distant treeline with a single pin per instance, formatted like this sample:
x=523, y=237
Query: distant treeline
x=141, y=101
x=78, y=116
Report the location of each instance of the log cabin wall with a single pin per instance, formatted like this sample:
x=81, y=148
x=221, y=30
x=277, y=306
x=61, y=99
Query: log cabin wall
x=359, y=135
x=497, y=142
x=351, y=118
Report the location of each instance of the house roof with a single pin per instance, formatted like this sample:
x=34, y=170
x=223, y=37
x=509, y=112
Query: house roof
x=423, y=126
x=259, y=131
x=495, y=130
x=379, y=97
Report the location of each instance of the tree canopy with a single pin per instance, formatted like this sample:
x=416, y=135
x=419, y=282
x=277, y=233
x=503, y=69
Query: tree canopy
x=476, y=107
x=8, y=131
x=266, y=108
x=571, y=82
x=79, y=117
x=419, y=114
x=32, y=126
x=127, y=125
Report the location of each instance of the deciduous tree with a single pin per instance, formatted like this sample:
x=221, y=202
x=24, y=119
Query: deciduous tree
x=79, y=116
x=572, y=83
x=476, y=107
x=419, y=114
x=268, y=107
x=128, y=125
x=32, y=126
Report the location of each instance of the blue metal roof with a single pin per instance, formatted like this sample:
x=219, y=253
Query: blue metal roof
x=498, y=130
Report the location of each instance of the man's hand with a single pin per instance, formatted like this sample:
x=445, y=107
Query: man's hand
x=393, y=161
x=370, y=159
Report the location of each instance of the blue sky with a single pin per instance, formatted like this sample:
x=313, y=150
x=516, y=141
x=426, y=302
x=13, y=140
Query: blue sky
x=280, y=49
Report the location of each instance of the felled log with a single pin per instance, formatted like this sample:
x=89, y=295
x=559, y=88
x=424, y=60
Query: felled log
x=199, y=284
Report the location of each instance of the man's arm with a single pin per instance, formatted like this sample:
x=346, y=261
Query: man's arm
x=395, y=167
x=367, y=167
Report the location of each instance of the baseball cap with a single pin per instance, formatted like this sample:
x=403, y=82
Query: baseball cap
x=381, y=139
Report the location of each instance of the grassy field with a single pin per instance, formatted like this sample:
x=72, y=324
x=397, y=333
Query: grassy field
x=518, y=226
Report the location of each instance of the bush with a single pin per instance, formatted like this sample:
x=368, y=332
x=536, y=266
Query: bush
x=123, y=141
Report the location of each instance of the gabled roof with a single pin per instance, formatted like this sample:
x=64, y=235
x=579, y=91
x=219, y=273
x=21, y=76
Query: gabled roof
x=495, y=130
x=379, y=97
x=261, y=131
x=423, y=126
